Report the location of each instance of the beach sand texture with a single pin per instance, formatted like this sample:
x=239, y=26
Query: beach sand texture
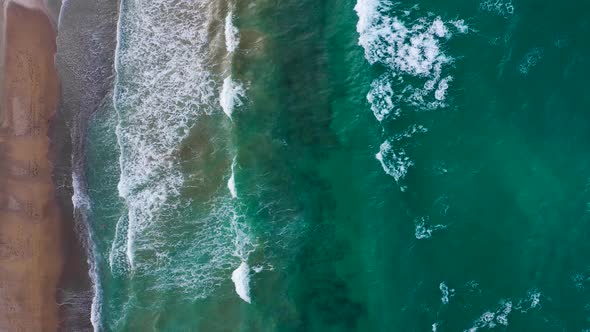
x=31, y=257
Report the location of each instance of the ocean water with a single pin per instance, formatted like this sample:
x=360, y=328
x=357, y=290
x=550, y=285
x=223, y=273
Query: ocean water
x=342, y=165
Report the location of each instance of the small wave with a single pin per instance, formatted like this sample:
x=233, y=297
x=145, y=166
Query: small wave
x=530, y=60
x=395, y=162
x=531, y=301
x=80, y=199
x=446, y=292
x=383, y=100
x=503, y=8
x=118, y=256
x=491, y=319
x=232, y=38
x=231, y=96
x=410, y=131
x=424, y=231
x=460, y=25
x=241, y=279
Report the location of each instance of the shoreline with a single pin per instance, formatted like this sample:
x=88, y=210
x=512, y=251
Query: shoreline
x=44, y=278
x=32, y=222
x=86, y=44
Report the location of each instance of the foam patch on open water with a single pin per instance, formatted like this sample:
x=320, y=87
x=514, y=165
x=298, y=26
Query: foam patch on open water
x=425, y=230
x=416, y=77
x=446, y=292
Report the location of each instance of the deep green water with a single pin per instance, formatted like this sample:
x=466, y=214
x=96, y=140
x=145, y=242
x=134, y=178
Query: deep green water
x=476, y=217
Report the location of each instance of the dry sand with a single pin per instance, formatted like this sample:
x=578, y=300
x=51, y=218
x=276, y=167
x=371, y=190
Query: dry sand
x=31, y=257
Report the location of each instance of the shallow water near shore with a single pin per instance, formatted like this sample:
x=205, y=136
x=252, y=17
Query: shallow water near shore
x=343, y=165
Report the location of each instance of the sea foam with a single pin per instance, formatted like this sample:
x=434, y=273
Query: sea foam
x=163, y=87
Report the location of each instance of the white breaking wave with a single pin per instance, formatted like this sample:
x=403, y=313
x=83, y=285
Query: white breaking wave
x=243, y=246
x=447, y=292
x=231, y=96
x=80, y=199
x=241, y=279
x=491, y=319
x=232, y=38
x=231, y=183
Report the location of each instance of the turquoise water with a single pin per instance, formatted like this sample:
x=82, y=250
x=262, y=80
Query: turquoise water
x=342, y=165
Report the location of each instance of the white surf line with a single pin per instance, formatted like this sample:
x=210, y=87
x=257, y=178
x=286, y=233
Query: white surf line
x=230, y=97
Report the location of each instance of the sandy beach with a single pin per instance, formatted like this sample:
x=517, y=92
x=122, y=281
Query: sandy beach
x=31, y=223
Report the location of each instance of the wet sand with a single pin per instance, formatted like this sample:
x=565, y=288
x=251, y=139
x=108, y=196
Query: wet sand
x=31, y=223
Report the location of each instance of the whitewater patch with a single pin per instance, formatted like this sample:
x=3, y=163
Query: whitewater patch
x=412, y=48
x=230, y=96
x=232, y=38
